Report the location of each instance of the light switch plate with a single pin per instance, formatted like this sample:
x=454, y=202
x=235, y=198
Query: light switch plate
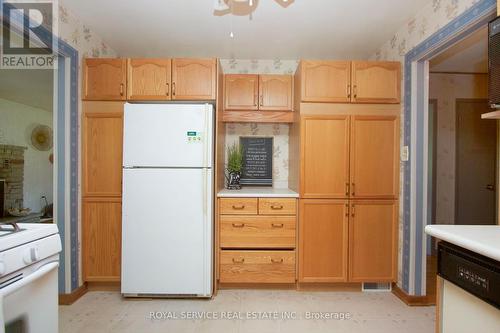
x=405, y=154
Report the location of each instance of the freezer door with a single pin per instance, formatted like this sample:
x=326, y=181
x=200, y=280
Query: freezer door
x=168, y=135
x=167, y=230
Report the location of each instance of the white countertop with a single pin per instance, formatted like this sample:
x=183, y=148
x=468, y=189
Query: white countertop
x=258, y=192
x=482, y=239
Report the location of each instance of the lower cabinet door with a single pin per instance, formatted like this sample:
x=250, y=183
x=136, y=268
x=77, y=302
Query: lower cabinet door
x=101, y=239
x=323, y=227
x=373, y=241
x=257, y=266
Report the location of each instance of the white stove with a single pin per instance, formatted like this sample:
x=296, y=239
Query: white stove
x=29, y=258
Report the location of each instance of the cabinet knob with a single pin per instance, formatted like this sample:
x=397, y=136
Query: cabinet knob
x=168, y=89
x=353, y=212
x=276, y=207
x=276, y=261
x=347, y=188
x=238, y=225
x=348, y=91
x=355, y=91
x=353, y=187
x=238, y=261
x=173, y=88
x=238, y=207
x=121, y=89
x=277, y=225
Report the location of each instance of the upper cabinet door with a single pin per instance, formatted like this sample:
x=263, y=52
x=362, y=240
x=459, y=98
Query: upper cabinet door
x=102, y=141
x=374, y=157
x=325, y=157
x=275, y=92
x=194, y=79
x=241, y=92
x=376, y=82
x=326, y=81
x=149, y=79
x=104, y=79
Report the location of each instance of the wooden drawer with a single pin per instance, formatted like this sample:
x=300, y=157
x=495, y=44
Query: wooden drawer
x=277, y=206
x=257, y=231
x=257, y=266
x=238, y=206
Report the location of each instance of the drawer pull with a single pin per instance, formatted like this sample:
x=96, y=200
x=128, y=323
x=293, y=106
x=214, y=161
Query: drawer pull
x=276, y=207
x=277, y=261
x=239, y=207
x=238, y=225
x=277, y=225
x=238, y=261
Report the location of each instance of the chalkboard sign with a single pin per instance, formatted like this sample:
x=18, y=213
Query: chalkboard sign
x=257, y=161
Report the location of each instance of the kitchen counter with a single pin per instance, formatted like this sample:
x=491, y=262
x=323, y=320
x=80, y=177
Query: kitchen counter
x=258, y=192
x=482, y=239
x=30, y=218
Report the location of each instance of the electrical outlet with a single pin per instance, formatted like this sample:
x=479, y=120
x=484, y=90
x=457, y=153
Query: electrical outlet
x=405, y=154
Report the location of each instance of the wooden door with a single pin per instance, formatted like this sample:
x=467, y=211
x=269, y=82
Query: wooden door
x=374, y=170
x=241, y=92
x=275, y=92
x=102, y=141
x=101, y=239
x=326, y=81
x=149, y=79
x=325, y=157
x=104, y=79
x=194, y=79
x=323, y=237
x=476, y=164
x=376, y=82
x=373, y=235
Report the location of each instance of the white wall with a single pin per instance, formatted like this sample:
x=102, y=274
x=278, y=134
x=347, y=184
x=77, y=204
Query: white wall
x=16, y=123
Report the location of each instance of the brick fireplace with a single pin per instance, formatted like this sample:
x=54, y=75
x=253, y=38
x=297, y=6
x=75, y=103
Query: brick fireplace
x=12, y=173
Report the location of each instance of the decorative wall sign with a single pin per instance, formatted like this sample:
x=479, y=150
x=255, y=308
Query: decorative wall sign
x=257, y=161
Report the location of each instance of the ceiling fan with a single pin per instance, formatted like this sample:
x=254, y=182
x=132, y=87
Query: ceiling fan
x=242, y=7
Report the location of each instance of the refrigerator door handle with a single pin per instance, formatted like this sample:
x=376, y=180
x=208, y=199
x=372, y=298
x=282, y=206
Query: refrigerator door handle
x=205, y=141
x=204, y=198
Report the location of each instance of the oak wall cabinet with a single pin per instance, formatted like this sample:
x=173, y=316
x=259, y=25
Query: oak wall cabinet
x=258, y=98
x=104, y=79
x=349, y=157
x=350, y=81
x=102, y=135
x=194, y=79
x=149, y=79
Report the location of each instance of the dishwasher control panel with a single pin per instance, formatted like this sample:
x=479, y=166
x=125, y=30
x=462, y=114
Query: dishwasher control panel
x=470, y=271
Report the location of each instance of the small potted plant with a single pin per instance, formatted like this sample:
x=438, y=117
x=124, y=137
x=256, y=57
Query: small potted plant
x=234, y=166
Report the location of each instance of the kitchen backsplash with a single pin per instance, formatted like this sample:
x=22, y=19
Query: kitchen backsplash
x=278, y=131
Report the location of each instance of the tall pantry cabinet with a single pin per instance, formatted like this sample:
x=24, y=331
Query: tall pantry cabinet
x=348, y=174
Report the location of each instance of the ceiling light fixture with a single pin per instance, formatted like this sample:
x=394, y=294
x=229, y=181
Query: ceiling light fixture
x=242, y=7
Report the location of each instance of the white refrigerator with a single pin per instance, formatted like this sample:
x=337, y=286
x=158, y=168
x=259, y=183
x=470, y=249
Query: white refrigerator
x=167, y=223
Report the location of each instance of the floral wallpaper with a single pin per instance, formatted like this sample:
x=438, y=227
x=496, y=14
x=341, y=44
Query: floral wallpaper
x=435, y=15
x=280, y=145
x=81, y=36
x=278, y=131
x=445, y=89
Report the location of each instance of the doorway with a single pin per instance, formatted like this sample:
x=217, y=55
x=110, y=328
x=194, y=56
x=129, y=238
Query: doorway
x=476, y=162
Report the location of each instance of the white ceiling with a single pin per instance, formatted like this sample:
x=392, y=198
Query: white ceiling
x=33, y=87
x=470, y=55
x=305, y=29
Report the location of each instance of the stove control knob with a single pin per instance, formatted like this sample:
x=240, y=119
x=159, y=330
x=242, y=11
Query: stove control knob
x=3, y=269
x=31, y=255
